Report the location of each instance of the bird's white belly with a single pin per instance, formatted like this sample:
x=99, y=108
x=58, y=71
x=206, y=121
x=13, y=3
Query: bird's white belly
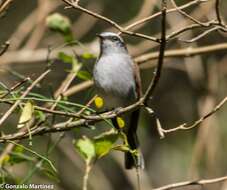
x=114, y=80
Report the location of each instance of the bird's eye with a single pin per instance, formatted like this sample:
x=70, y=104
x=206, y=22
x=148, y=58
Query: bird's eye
x=115, y=38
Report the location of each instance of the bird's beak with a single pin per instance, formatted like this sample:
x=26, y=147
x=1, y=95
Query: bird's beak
x=99, y=35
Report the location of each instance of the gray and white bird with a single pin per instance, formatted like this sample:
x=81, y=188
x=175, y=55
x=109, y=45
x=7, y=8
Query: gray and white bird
x=117, y=81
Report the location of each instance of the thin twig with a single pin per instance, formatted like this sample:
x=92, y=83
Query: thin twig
x=197, y=122
x=86, y=175
x=89, y=120
x=4, y=6
x=157, y=74
x=192, y=183
x=14, y=106
x=218, y=12
x=15, y=87
x=109, y=21
x=186, y=52
x=187, y=15
x=5, y=46
x=202, y=35
x=159, y=13
x=180, y=31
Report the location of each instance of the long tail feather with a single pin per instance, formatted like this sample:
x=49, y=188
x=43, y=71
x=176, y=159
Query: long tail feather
x=131, y=160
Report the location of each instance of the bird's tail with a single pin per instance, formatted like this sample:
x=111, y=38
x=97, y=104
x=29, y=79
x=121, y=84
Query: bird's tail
x=133, y=160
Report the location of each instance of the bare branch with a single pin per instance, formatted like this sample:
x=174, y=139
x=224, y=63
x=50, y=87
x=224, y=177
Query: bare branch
x=109, y=21
x=15, y=87
x=4, y=6
x=192, y=183
x=14, y=106
x=187, y=15
x=187, y=52
x=167, y=11
x=185, y=126
x=5, y=46
x=157, y=74
x=206, y=32
x=218, y=12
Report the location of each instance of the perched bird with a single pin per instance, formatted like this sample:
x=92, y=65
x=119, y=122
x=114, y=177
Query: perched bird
x=117, y=81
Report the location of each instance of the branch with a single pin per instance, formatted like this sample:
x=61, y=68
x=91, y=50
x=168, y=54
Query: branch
x=187, y=15
x=5, y=5
x=205, y=33
x=86, y=120
x=190, y=183
x=218, y=12
x=186, y=52
x=14, y=106
x=35, y=56
x=185, y=126
x=189, y=27
x=167, y=11
x=157, y=74
x=109, y=21
x=5, y=47
x=16, y=86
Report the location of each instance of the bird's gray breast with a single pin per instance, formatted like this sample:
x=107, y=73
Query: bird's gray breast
x=114, y=79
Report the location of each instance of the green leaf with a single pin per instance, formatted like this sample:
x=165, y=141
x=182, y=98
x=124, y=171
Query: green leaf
x=65, y=57
x=59, y=23
x=26, y=115
x=84, y=75
x=40, y=115
x=68, y=37
x=88, y=56
x=70, y=59
x=86, y=148
x=18, y=149
x=105, y=143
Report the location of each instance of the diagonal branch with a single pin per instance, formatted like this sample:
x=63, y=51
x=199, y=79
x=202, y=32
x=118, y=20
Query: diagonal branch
x=192, y=183
x=5, y=47
x=14, y=106
x=109, y=21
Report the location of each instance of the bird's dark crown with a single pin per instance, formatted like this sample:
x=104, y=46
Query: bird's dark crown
x=111, y=36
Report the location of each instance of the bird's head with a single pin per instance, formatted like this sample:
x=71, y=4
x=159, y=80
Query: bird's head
x=111, y=43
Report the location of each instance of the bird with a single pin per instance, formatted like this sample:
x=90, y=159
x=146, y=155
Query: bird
x=118, y=83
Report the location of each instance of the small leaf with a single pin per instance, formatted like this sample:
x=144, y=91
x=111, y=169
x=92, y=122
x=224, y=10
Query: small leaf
x=86, y=148
x=59, y=23
x=6, y=159
x=84, y=75
x=70, y=59
x=26, y=115
x=18, y=149
x=99, y=102
x=88, y=56
x=104, y=143
x=65, y=57
x=40, y=115
x=120, y=122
